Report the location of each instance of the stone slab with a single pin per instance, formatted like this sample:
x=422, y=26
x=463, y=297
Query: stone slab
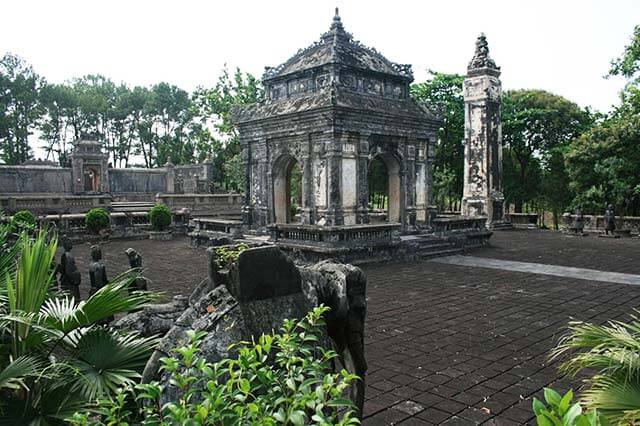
x=540, y=268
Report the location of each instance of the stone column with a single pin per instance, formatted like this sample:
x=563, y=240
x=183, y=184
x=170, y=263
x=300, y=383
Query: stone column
x=245, y=156
x=334, y=214
x=410, y=186
x=362, y=190
x=482, y=194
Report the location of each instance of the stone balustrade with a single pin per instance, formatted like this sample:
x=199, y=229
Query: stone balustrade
x=595, y=223
x=226, y=206
x=50, y=203
x=523, y=220
x=336, y=237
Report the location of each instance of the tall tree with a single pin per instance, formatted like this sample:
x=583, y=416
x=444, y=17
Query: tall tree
x=604, y=163
x=443, y=92
x=19, y=108
x=534, y=123
x=213, y=107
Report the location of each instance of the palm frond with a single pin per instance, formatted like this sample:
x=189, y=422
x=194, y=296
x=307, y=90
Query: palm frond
x=615, y=397
x=65, y=315
x=14, y=374
x=106, y=360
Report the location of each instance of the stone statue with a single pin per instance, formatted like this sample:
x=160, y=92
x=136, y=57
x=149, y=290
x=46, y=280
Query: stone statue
x=97, y=270
x=609, y=220
x=579, y=222
x=135, y=262
x=69, y=275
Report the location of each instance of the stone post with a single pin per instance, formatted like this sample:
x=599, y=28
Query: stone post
x=482, y=194
x=362, y=212
x=171, y=177
x=334, y=162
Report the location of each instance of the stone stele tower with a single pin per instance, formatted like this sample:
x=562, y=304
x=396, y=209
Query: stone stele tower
x=482, y=194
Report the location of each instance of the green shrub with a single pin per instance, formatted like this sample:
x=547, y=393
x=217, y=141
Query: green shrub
x=225, y=256
x=561, y=412
x=283, y=378
x=97, y=220
x=23, y=220
x=160, y=217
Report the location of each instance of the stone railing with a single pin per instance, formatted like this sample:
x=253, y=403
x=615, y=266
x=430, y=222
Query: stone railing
x=336, y=237
x=213, y=205
x=450, y=224
x=123, y=225
x=595, y=223
x=523, y=220
x=53, y=203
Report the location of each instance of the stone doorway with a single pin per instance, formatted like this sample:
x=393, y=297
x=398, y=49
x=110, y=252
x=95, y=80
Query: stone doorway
x=91, y=180
x=287, y=190
x=384, y=189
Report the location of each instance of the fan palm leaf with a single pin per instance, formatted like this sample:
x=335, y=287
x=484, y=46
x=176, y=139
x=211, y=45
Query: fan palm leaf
x=615, y=397
x=105, y=361
x=14, y=374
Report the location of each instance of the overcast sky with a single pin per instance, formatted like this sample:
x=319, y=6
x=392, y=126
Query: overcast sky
x=560, y=46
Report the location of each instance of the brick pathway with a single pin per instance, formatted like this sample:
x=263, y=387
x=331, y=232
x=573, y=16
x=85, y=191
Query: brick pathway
x=450, y=344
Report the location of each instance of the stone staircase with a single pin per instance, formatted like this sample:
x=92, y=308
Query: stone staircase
x=426, y=246
x=131, y=206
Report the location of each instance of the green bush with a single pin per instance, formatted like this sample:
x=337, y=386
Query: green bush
x=283, y=378
x=160, y=217
x=23, y=219
x=97, y=220
x=226, y=255
x=561, y=412
x=54, y=358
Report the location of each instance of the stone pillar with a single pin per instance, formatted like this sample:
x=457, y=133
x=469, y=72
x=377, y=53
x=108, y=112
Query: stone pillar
x=77, y=174
x=334, y=214
x=307, y=215
x=482, y=194
x=170, y=187
x=362, y=190
x=245, y=156
x=410, y=186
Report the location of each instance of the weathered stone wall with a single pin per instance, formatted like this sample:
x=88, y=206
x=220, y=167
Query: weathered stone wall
x=137, y=180
x=35, y=179
x=596, y=222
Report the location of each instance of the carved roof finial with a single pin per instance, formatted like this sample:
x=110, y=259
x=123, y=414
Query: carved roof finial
x=336, y=31
x=481, y=57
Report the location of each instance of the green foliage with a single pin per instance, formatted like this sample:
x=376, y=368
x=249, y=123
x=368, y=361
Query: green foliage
x=23, y=220
x=628, y=64
x=226, y=255
x=96, y=220
x=559, y=411
x=610, y=351
x=19, y=108
x=215, y=106
x=54, y=360
x=443, y=92
x=535, y=124
x=160, y=217
x=283, y=378
x=378, y=184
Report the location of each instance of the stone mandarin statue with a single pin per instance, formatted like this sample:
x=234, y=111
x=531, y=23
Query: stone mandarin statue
x=97, y=270
x=135, y=262
x=579, y=223
x=609, y=220
x=69, y=275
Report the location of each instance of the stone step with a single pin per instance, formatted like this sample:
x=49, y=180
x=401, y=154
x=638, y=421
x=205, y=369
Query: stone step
x=428, y=254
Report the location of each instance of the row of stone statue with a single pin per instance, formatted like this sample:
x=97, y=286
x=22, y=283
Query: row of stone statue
x=609, y=220
x=70, y=278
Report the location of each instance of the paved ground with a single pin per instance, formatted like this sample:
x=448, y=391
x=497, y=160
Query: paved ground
x=453, y=344
x=460, y=345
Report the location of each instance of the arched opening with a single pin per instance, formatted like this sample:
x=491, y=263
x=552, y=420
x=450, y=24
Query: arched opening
x=91, y=180
x=287, y=190
x=384, y=189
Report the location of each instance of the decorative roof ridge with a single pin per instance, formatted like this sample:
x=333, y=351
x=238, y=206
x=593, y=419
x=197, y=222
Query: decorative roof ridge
x=337, y=35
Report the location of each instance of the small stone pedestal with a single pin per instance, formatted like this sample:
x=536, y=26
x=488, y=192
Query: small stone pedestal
x=161, y=235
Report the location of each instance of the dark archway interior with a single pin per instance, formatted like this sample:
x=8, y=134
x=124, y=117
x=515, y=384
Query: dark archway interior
x=294, y=191
x=378, y=190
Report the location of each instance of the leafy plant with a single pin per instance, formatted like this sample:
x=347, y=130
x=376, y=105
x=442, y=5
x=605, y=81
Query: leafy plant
x=226, y=255
x=96, y=220
x=613, y=351
x=560, y=411
x=282, y=378
x=160, y=217
x=54, y=359
x=23, y=220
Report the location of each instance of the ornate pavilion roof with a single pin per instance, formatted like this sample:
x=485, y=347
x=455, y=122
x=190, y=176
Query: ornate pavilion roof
x=336, y=71
x=337, y=46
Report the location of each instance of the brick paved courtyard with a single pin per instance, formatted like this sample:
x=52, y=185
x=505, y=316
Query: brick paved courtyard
x=450, y=344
